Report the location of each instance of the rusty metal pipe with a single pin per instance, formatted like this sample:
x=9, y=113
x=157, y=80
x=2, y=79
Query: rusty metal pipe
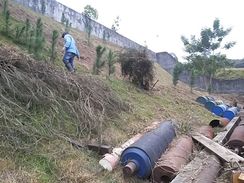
x=130, y=169
x=170, y=163
x=207, y=131
x=236, y=140
x=221, y=122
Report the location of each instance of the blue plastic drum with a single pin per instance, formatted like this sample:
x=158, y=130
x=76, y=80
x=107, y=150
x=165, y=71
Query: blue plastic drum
x=230, y=113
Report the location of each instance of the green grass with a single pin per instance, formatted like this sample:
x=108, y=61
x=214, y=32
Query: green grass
x=147, y=106
x=231, y=73
x=44, y=167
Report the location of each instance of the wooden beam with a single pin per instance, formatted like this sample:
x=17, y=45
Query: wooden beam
x=192, y=171
x=101, y=149
x=222, y=152
x=224, y=136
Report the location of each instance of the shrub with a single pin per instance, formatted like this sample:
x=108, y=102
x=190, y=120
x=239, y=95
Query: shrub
x=99, y=63
x=177, y=71
x=137, y=67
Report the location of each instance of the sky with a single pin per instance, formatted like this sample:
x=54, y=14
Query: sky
x=159, y=24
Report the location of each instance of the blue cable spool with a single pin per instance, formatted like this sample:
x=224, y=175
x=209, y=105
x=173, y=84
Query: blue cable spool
x=141, y=156
x=219, y=109
x=230, y=113
x=202, y=99
x=210, y=105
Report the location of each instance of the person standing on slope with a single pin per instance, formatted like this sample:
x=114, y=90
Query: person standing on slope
x=71, y=51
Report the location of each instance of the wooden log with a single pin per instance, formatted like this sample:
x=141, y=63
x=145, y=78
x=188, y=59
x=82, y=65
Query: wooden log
x=192, y=172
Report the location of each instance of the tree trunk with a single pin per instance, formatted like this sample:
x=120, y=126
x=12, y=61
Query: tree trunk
x=210, y=84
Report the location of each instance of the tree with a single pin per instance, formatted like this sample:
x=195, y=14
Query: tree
x=5, y=7
x=115, y=25
x=106, y=36
x=39, y=38
x=63, y=18
x=6, y=16
x=176, y=73
x=7, y=23
x=27, y=31
x=31, y=40
x=111, y=62
x=53, y=55
x=204, y=53
x=19, y=32
x=43, y=7
x=89, y=14
x=99, y=63
x=67, y=25
x=192, y=71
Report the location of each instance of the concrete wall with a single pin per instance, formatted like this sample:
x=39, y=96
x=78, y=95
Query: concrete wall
x=219, y=86
x=55, y=9
x=166, y=61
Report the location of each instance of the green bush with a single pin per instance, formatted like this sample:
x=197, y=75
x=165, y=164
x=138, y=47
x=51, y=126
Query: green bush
x=137, y=67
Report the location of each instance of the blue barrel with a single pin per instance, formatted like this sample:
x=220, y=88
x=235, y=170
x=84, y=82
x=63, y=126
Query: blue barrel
x=202, y=99
x=219, y=109
x=210, y=105
x=230, y=113
x=141, y=156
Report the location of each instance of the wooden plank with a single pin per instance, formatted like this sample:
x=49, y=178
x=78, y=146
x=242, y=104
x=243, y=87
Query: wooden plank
x=101, y=149
x=76, y=144
x=222, y=152
x=223, y=136
x=193, y=169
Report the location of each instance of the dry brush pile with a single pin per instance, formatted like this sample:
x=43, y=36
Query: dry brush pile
x=39, y=102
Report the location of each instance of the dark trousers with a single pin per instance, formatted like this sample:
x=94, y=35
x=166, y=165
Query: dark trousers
x=68, y=60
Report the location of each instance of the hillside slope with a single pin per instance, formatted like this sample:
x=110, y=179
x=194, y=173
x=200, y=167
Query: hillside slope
x=47, y=155
x=42, y=108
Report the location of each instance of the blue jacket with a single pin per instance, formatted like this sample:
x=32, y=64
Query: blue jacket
x=69, y=44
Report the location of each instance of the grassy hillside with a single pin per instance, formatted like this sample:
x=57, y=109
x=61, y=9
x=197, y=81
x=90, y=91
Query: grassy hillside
x=42, y=107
